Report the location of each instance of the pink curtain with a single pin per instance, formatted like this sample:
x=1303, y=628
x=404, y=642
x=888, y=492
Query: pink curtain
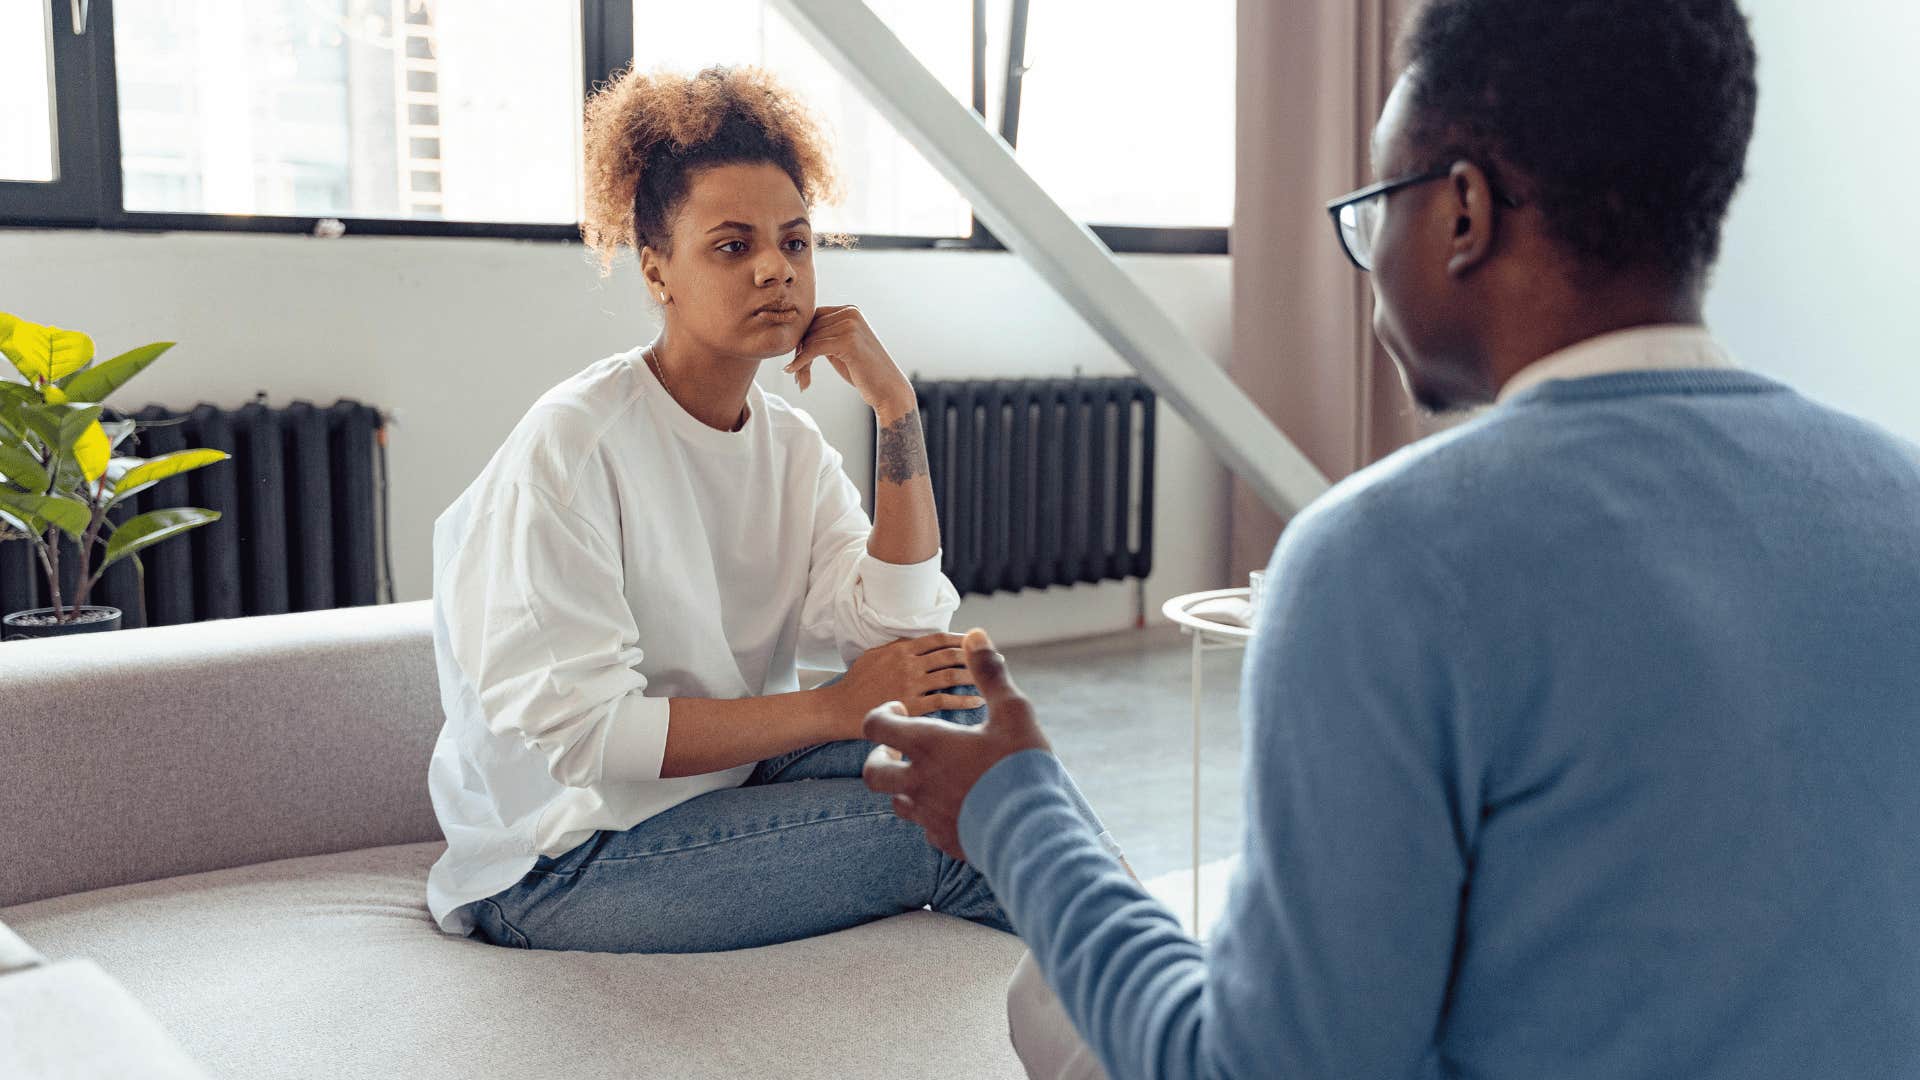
x=1313, y=75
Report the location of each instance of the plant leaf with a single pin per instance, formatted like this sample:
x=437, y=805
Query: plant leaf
x=92, y=450
x=66, y=475
x=43, y=352
x=75, y=423
x=13, y=398
x=120, y=467
x=43, y=421
x=117, y=431
x=70, y=516
x=146, y=474
x=82, y=437
x=22, y=468
x=146, y=530
x=96, y=382
x=71, y=438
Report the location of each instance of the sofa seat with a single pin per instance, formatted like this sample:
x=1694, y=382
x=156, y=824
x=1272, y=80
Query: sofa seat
x=329, y=966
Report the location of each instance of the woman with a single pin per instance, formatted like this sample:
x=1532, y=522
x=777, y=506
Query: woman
x=622, y=597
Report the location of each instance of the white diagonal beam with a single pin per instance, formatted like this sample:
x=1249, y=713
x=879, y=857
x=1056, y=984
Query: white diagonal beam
x=1066, y=254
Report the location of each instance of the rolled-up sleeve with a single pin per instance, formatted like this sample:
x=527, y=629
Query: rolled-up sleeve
x=854, y=601
x=538, y=624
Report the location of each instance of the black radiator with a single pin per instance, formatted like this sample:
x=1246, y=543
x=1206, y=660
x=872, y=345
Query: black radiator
x=302, y=527
x=1041, y=482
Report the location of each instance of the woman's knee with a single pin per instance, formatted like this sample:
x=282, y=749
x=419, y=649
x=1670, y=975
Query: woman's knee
x=967, y=717
x=964, y=892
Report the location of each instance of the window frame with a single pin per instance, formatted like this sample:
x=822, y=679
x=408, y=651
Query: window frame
x=86, y=193
x=73, y=197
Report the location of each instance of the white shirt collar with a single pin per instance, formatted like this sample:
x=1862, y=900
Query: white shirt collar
x=1643, y=348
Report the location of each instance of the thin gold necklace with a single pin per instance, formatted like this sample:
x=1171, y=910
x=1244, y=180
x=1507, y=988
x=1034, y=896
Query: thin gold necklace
x=653, y=361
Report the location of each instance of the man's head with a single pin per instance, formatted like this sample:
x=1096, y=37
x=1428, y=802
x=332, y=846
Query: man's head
x=1588, y=151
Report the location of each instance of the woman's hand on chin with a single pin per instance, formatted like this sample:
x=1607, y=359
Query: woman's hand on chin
x=842, y=336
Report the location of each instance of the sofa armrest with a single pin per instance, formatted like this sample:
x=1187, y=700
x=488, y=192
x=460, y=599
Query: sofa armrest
x=72, y=1021
x=15, y=953
x=145, y=754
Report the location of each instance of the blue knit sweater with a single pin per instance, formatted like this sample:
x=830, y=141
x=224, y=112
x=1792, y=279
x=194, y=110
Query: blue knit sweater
x=1581, y=741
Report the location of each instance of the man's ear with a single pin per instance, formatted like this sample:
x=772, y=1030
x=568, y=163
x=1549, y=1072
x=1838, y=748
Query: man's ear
x=1470, y=202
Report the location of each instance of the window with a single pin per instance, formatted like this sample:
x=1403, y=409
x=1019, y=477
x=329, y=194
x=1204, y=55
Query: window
x=464, y=110
x=461, y=117
x=1127, y=109
x=26, y=85
x=889, y=187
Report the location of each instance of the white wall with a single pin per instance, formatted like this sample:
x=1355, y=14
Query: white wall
x=457, y=337
x=1817, y=281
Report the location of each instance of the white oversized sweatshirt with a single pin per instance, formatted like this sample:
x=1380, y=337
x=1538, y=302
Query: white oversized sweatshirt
x=614, y=553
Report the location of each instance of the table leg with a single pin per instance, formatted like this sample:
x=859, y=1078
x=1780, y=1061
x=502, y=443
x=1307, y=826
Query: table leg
x=1198, y=666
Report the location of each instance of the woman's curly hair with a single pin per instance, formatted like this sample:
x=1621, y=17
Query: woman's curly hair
x=647, y=133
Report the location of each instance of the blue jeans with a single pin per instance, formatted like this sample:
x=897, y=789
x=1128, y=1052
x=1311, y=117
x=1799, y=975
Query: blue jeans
x=801, y=848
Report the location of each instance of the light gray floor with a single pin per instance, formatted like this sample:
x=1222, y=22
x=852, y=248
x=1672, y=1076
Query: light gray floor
x=1118, y=710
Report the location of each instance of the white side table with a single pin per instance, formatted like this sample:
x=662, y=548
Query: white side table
x=1208, y=636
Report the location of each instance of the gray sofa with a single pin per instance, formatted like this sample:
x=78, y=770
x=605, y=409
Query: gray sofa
x=227, y=823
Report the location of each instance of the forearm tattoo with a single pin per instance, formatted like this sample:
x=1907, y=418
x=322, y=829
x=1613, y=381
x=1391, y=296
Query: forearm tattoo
x=902, y=452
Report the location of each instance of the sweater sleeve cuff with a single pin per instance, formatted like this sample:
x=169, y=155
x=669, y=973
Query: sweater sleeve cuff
x=902, y=588
x=983, y=824
x=636, y=745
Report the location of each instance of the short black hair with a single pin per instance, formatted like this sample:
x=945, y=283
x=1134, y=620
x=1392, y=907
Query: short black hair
x=1625, y=121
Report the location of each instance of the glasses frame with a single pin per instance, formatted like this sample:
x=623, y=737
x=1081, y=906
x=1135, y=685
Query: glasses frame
x=1387, y=187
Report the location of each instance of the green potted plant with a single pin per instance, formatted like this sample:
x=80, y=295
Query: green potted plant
x=59, y=474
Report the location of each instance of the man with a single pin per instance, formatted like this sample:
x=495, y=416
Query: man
x=1582, y=740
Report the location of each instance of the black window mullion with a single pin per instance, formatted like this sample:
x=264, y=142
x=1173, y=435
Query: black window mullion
x=1016, y=71
x=74, y=196
x=106, y=96
x=606, y=38
x=1163, y=239
x=980, y=237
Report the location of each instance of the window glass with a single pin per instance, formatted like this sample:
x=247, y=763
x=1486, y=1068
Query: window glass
x=1126, y=108
x=26, y=85
x=462, y=110
x=889, y=187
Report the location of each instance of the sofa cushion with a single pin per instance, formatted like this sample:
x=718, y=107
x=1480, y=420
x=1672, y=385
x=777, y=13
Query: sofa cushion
x=329, y=966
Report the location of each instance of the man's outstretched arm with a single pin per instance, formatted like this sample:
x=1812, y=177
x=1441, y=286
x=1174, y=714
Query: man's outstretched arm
x=1335, y=951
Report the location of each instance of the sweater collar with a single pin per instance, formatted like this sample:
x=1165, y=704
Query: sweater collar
x=1643, y=348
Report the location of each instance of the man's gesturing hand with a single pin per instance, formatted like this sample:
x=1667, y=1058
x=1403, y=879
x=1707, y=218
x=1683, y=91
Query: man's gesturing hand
x=943, y=761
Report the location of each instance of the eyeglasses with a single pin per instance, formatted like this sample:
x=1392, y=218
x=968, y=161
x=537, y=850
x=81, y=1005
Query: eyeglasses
x=1356, y=217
